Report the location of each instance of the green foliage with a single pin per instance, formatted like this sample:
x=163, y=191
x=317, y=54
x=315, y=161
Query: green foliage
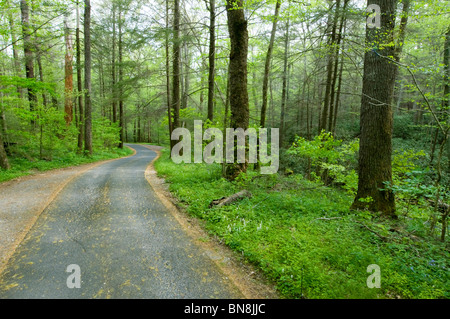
x=303, y=237
x=332, y=156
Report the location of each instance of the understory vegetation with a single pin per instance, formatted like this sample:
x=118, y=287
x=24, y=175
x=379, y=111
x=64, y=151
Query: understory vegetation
x=298, y=229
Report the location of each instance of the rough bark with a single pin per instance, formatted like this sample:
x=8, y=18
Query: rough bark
x=376, y=120
x=239, y=104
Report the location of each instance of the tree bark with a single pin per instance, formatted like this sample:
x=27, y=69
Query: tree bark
x=79, y=83
x=330, y=69
x=17, y=68
x=284, y=90
x=4, y=163
x=121, y=102
x=68, y=76
x=211, y=58
x=28, y=51
x=113, y=66
x=376, y=119
x=176, y=65
x=237, y=28
x=169, y=105
x=87, y=78
x=262, y=122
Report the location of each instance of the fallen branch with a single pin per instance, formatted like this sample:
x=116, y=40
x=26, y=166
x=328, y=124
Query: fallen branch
x=328, y=218
x=230, y=199
x=371, y=230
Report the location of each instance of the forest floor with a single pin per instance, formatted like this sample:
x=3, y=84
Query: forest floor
x=304, y=238
x=105, y=218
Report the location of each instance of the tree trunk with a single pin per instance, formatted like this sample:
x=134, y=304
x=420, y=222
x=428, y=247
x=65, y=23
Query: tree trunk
x=262, y=122
x=284, y=86
x=113, y=66
x=330, y=68
x=68, y=76
x=169, y=106
x=333, y=99
x=17, y=67
x=237, y=28
x=79, y=83
x=4, y=163
x=87, y=78
x=121, y=102
x=28, y=51
x=176, y=65
x=211, y=57
x=376, y=120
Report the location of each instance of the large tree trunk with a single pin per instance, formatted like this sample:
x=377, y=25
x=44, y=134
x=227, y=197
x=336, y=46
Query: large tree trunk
x=237, y=28
x=28, y=51
x=212, y=57
x=376, y=120
x=87, y=78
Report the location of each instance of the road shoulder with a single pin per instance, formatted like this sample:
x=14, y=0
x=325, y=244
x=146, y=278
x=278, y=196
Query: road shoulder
x=249, y=280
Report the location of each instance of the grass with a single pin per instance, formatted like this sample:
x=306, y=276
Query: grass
x=22, y=166
x=305, y=239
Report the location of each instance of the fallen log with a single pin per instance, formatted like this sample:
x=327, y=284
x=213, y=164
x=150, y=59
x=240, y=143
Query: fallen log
x=230, y=199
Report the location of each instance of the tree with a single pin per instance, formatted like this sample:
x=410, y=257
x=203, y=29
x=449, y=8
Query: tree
x=376, y=119
x=211, y=57
x=121, y=102
x=169, y=105
x=176, y=65
x=113, y=65
x=28, y=51
x=68, y=75
x=239, y=104
x=79, y=83
x=262, y=122
x=4, y=163
x=87, y=78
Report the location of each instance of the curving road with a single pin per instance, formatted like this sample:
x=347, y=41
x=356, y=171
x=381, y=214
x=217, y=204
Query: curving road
x=110, y=223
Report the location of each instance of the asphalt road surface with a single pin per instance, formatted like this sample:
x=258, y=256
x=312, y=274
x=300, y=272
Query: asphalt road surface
x=111, y=225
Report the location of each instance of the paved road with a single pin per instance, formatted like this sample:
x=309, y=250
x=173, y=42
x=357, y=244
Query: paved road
x=110, y=223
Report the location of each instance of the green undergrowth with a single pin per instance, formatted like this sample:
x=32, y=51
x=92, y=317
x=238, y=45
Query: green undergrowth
x=305, y=239
x=27, y=165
